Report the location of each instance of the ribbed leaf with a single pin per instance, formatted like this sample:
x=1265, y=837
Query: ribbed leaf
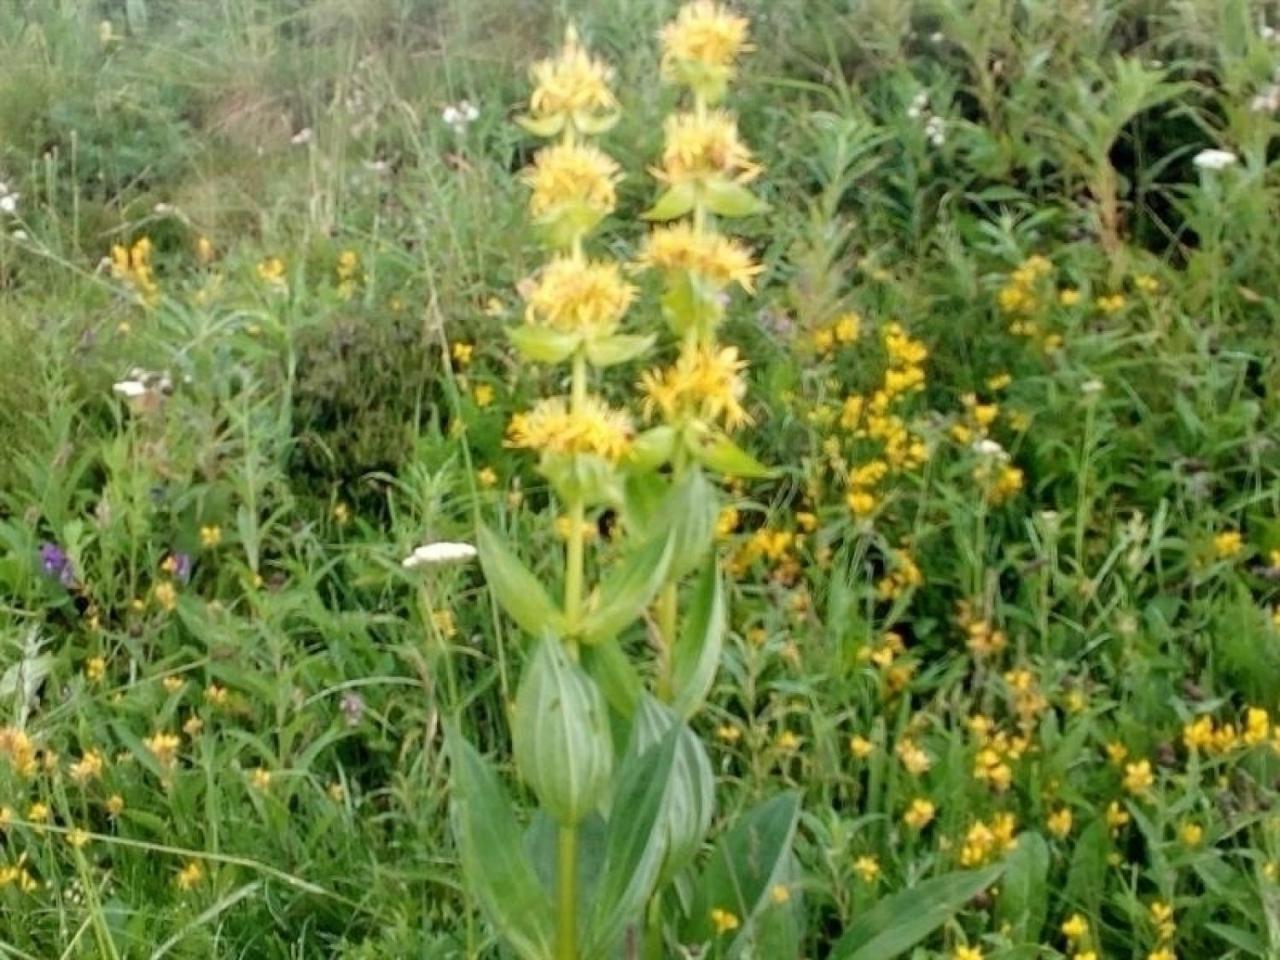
x=493, y=856
x=697, y=654
x=628, y=590
x=517, y=590
x=899, y=922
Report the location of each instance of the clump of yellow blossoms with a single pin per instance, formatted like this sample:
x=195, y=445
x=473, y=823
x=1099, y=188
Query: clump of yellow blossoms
x=705, y=384
x=700, y=46
x=133, y=266
x=571, y=90
x=986, y=841
x=581, y=297
x=704, y=148
x=717, y=259
x=554, y=426
x=573, y=187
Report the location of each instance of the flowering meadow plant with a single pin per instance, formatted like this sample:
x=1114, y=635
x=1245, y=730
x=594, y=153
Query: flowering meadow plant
x=714, y=479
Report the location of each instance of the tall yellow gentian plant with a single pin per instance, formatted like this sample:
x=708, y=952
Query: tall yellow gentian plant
x=603, y=756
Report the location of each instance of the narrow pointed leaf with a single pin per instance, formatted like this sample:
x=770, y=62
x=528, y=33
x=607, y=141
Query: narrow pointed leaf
x=615, y=674
x=749, y=860
x=492, y=851
x=628, y=590
x=635, y=847
x=728, y=199
x=675, y=202
x=902, y=921
x=517, y=590
x=621, y=347
x=725, y=457
x=542, y=344
x=697, y=653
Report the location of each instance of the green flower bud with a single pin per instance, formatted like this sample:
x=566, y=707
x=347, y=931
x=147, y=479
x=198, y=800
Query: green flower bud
x=561, y=735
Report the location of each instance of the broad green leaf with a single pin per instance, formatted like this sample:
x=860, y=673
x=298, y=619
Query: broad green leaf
x=1024, y=892
x=722, y=455
x=543, y=127
x=492, y=852
x=542, y=344
x=560, y=734
x=613, y=670
x=729, y=199
x=690, y=803
x=619, y=348
x=635, y=847
x=749, y=861
x=541, y=840
x=585, y=476
x=652, y=448
x=1088, y=870
x=691, y=510
x=593, y=124
x=690, y=303
x=899, y=922
x=697, y=654
x=517, y=590
x=675, y=202
x=628, y=590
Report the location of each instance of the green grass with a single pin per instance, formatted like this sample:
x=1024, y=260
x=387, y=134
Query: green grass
x=326, y=425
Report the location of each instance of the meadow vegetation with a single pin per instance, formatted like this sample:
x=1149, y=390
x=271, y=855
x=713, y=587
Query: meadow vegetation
x=809, y=465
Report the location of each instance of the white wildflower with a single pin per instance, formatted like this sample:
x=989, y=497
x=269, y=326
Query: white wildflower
x=1215, y=159
x=434, y=554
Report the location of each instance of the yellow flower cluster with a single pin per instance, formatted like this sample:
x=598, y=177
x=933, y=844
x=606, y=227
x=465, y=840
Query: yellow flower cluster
x=18, y=748
x=888, y=656
x=1024, y=297
x=996, y=749
x=573, y=177
x=985, y=842
x=349, y=274
x=903, y=575
x=716, y=259
x=704, y=33
x=875, y=419
x=133, y=266
x=572, y=295
x=703, y=147
x=704, y=385
x=572, y=90
x=982, y=639
x=842, y=331
x=1027, y=700
x=554, y=426
x=1203, y=735
x=19, y=876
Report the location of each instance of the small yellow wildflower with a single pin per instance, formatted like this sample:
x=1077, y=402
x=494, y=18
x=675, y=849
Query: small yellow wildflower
x=1191, y=834
x=724, y=921
x=88, y=767
x=486, y=477
x=210, y=535
x=77, y=837
x=114, y=805
x=1228, y=544
x=271, y=271
x=260, y=778
x=861, y=747
x=190, y=875
x=578, y=296
x=164, y=747
x=867, y=867
x=705, y=384
x=715, y=258
x=1138, y=777
x=1059, y=822
x=704, y=147
x=552, y=427
x=967, y=953
x=572, y=89
x=919, y=813
x=95, y=669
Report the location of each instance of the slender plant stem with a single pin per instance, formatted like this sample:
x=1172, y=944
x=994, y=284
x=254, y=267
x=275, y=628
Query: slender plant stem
x=567, y=895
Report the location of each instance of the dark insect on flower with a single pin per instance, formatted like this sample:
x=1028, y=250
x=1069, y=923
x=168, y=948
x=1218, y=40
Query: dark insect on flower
x=55, y=563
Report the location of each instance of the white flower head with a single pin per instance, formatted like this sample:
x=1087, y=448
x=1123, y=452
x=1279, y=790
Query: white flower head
x=129, y=389
x=435, y=554
x=9, y=203
x=302, y=137
x=1213, y=159
x=987, y=447
x=1091, y=388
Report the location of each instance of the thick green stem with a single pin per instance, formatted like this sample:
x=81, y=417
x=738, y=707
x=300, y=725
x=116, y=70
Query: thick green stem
x=668, y=615
x=567, y=894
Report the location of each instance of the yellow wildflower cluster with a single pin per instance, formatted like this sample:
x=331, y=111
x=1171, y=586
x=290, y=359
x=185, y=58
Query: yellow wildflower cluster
x=554, y=426
x=574, y=179
x=349, y=273
x=985, y=842
x=88, y=767
x=842, y=331
x=977, y=421
x=1024, y=296
x=875, y=419
x=716, y=259
x=724, y=921
x=703, y=147
x=779, y=548
x=996, y=749
x=571, y=90
x=703, y=385
x=18, y=875
x=888, y=656
x=18, y=748
x=572, y=295
x=703, y=33
x=919, y=814
x=1027, y=700
x=903, y=575
x=999, y=480
x=914, y=758
x=982, y=639
x=133, y=266
x=1203, y=735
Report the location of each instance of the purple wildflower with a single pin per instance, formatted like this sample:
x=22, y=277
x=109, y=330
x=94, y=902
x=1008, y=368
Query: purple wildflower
x=55, y=563
x=179, y=565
